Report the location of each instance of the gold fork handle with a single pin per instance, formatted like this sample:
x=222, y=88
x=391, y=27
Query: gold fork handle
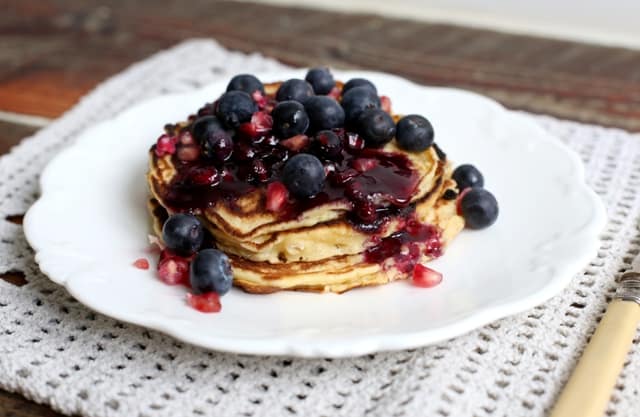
x=589, y=389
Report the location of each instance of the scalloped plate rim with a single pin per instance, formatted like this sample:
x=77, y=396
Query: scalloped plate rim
x=375, y=343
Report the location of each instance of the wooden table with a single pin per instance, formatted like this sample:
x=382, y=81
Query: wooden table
x=52, y=54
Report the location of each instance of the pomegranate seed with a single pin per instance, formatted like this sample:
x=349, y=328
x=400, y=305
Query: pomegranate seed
x=260, y=99
x=261, y=122
x=173, y=269
x=259, y=170
x=366, y=210
x=385, y=104
x=426, y=277
x=247, y=130
x=433, y=248
x=334, y=93
x=205, y=176
x=166, y=145
x=186, y=138
x=188, y=153
x=226, y=175
x=296, y=143
x=354, y=141
x=141, y=263
x=206, y=303
x=459, y=200
x=277, y=195
x=364, y=164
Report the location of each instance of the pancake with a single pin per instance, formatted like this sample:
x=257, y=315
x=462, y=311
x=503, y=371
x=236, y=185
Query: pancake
x=320, y=245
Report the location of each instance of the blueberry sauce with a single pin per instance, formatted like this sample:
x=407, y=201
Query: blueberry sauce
x=384, y=186
x=406, y=246
x=378, y=185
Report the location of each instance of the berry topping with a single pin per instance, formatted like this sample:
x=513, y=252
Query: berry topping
x=321, y=80
x=260, y=124
x=277, y=195
x=343, y=177
x=173, y=269
x=334, y=93
x=355, y=142
x=376, y=127
x=359, y=82
x=182, y=233
x=357, y=100
x=289, y=119
x=188, y=153
x=186, y=138
x=385, y=104
x=205, y=303
x=467, y=176
x=259, y=170
x=327, y=144
x=296, y=143
x=234, y=108
x=245, y=82
x=166, y=145
x=141, y=263
x=303, y=175
x=426, y=277
x=324, y=113
x=215, y=140
x=364, y=164
x=414, y=133
x=260, y=99
x=479, y=208
x=211, y=271
x=204, y=176
x=294, y=89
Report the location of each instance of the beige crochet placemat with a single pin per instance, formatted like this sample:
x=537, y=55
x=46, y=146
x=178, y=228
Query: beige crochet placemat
x=55, y=351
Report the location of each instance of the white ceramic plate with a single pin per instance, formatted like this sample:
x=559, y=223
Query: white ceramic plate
x=91, y=223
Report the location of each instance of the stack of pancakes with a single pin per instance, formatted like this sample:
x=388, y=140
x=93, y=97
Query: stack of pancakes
x=320, y=250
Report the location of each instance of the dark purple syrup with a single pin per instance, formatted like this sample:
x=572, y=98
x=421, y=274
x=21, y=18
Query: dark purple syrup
x=385, y=187
x=378, y=185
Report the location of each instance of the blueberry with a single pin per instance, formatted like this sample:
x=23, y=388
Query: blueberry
x=356, y=100
x=210, y=271
x=183, y=233
x=414, y=133
x=479, y=208
x=324, y=113
x=468, y=176
x=359, y=82
x=234, y=108
x=215, y=140
x=327, y=144
x=321, y=80
x=376, y=127
x=294, y=89
x=289, y=119
x=245, y=82
x=303, y=175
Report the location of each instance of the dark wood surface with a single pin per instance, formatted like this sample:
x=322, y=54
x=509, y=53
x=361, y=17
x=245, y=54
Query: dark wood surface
x=52, y=53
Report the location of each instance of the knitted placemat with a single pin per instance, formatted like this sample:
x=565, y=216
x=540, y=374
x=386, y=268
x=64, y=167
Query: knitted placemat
x=55, y=351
